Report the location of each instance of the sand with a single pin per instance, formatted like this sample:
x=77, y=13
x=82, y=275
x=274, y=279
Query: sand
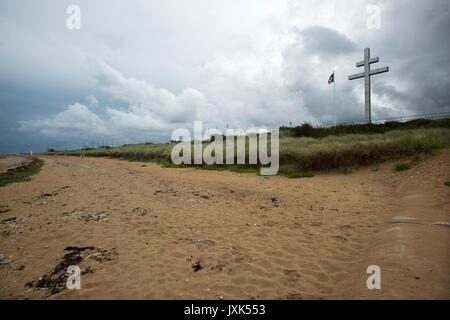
x=139, y=231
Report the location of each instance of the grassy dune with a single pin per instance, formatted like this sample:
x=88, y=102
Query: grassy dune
x=307, y=130
x=359, y=149
x=299, y=155
x=22, y=173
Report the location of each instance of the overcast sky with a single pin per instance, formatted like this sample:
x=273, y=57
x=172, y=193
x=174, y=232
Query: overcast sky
x=136, y=70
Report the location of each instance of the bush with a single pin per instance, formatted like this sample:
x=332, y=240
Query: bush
x=402, y=166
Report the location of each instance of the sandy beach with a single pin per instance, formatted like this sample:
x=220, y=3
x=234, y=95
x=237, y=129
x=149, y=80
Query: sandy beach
x=139, y=231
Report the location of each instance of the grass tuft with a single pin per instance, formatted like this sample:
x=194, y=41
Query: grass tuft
x=296, y=175
x=166, y=164
x=239, y=169
x=402, y=166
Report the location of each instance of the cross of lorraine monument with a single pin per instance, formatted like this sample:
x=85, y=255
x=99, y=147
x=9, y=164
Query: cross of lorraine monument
x=366, y=75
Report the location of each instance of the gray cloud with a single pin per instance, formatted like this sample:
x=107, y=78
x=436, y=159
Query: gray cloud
x=326, y=42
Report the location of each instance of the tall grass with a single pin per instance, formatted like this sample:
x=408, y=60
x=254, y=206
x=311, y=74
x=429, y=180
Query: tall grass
x=303, y=154
x=359, y=149
x=307, y=130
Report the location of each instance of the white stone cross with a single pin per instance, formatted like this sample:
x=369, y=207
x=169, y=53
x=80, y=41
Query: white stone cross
x=366, y=75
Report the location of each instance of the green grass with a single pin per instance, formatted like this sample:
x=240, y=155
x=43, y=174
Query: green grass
x=166, y=164
x=307, y=130
x=402, y=166
x=447, y=183
x=20, y=174
x=312, y=154
x=239, y=169
x=304, y=154
x=296, y=175
x=233, y=167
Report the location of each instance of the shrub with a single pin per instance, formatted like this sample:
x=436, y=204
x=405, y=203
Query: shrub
x=402, y=166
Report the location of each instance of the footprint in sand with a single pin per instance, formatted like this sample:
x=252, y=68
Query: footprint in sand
x=292, y=275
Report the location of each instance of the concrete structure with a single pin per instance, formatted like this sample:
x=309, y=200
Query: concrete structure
x=366, y=75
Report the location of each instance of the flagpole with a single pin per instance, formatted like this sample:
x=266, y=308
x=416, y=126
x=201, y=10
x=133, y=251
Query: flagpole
x=334, y=97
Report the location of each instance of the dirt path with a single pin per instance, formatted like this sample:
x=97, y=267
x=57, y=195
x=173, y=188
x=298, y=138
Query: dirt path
x=141, y=231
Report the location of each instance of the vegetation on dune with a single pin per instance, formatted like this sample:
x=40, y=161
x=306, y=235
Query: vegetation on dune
x=304, y=154
x=296, y=175
x=447, y=183
x=307, y=130
x=402, y=166
x=311, y=154
x=232, y=167
x=22, y=173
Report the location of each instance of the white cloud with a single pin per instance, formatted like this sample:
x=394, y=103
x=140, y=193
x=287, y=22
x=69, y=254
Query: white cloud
x=92, y=100
x=146, y=101
x=77, y=120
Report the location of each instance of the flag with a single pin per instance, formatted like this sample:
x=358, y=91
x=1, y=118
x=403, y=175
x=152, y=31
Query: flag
x=331, y=79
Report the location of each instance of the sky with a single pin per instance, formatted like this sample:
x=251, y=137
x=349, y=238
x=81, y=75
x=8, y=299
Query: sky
x=136, y=70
